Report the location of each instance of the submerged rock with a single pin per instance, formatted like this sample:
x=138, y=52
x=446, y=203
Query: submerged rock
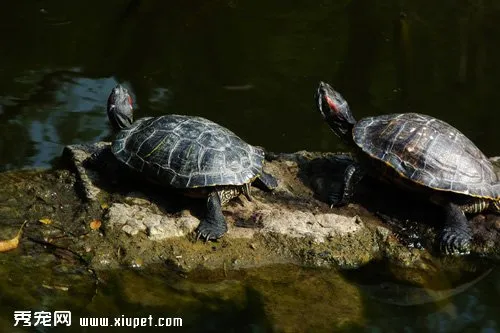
x=146, y=223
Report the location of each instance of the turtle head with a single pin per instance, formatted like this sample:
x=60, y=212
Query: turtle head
x=120, y=112
x=335, y=110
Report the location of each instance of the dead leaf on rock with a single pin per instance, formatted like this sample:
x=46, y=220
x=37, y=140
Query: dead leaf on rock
x=62, y=288
x=45, y=220
x=11, y=244
x=95, y=224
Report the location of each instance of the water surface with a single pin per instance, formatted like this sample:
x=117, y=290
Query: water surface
x=251, y=66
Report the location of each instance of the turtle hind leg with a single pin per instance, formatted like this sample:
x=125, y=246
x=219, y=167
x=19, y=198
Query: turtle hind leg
x=266, y=182
x=456, y=235
x=214, y=225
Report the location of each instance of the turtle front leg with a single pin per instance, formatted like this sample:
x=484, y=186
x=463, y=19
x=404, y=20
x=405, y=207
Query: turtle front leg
x=214, y=225
x=341, y=194
x=456, y=235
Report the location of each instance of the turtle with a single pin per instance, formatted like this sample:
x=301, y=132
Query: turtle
x=194, y=154
x=419, y=153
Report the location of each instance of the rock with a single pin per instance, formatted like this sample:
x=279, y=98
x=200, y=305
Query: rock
x=77, y=154
x=291, y=224
x=134, y=218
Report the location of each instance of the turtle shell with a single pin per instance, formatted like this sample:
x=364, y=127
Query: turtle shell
x=187, y=152
x=429, y=152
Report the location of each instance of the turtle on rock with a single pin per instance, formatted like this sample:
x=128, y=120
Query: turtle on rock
x=189, y=153
x=420, y=153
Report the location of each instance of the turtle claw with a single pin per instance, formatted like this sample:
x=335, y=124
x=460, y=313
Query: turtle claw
x=209, y=231
x=335, y=195
x=455, y=241
x=336, y=204
x=198, y=235
x=202, y=236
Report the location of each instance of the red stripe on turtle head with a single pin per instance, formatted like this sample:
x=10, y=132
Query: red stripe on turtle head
x=333, y=105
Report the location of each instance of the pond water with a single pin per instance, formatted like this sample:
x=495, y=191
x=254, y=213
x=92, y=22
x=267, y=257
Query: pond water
x=253, y=66
x=281, y=298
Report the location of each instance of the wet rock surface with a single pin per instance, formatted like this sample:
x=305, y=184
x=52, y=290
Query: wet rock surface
x=142, y=224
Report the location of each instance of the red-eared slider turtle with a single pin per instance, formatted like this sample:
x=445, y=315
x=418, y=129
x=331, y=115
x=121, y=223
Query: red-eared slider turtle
x=418, y=152
x=187, y=153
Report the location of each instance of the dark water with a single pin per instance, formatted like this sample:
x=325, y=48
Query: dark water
x=250, y=65
x=282, y=298
x=253, y=66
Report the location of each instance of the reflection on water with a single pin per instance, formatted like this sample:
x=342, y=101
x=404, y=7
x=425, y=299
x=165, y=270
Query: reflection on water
x=250, y=66
x=54, y=117
x=282, y=298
